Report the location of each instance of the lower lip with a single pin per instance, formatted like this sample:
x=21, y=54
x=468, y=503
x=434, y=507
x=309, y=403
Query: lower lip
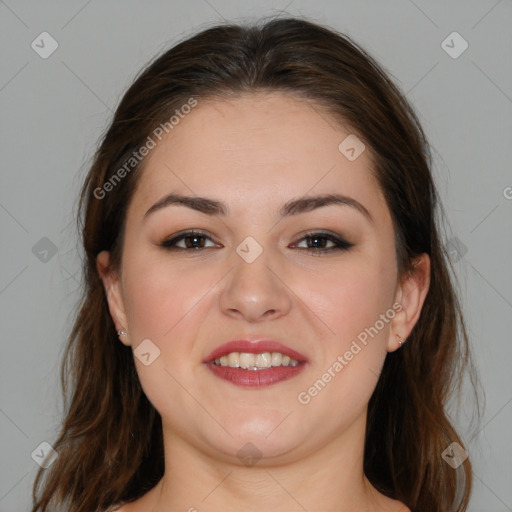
x=256, y=378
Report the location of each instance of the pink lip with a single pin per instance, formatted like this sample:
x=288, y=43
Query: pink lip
x=256, y=378
x=254, y=347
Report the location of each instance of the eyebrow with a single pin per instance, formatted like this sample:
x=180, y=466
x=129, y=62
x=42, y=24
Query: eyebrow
x=294, y=207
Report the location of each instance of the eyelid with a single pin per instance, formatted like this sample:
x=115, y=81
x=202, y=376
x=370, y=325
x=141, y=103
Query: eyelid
x=341, y=243
x=166, y=243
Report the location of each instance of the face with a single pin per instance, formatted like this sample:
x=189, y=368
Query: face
x=321, y=280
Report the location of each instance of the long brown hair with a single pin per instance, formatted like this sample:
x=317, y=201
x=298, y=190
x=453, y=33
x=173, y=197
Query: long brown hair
x=110, y=446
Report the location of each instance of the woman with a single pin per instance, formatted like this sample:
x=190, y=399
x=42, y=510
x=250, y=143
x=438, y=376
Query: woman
x=267, y=299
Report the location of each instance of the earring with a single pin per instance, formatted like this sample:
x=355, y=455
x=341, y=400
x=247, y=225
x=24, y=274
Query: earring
x=122, y=333
x=400, y=341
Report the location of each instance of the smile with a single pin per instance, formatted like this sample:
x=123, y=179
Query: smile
x=255, y=363
x=247, y=361
x=255, y=370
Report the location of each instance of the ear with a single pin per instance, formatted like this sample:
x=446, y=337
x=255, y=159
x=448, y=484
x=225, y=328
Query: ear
x=410, y=293
x=113, y=292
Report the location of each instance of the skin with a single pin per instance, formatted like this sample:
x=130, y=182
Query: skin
x=255, y=153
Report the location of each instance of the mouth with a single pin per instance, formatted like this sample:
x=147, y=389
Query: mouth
x=255, y=364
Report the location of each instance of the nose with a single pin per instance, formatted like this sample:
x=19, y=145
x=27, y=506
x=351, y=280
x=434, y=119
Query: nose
x=255, y=291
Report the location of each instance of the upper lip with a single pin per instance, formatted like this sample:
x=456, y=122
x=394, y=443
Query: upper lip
x=253, y=347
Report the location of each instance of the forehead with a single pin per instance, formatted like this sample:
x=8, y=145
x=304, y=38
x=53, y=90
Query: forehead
x=257, y=148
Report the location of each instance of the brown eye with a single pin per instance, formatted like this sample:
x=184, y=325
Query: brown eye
x=192, y=240
x=317, y=242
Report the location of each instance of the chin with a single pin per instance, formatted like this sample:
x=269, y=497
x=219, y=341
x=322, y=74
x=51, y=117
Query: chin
x=256, y=436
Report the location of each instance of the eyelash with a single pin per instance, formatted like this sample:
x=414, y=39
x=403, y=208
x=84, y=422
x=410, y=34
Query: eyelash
x=341, y=243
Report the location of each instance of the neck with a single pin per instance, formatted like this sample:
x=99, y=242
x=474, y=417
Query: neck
x=329, y=478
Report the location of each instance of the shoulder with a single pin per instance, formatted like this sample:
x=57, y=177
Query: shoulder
x=387, y=504
x=119, y=507
x=398, y=506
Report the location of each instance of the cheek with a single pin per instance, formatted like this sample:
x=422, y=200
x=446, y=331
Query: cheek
x=163, y=304
x=159, y=294
x=354, y=301
x=167, y=304
x=350, y=297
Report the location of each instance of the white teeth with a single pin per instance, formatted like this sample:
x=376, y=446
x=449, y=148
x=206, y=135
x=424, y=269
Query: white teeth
x=264, y=360
x=248, y=361
x=277, y=359
x=234, y=359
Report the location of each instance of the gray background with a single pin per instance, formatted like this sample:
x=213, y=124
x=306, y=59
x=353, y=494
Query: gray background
x=53, y=111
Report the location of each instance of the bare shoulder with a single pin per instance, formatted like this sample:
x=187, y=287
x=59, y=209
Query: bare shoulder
x=396, y=506
x=140, y=504
x=385, y=505
x=390, y=505
x=121, y=507
x=393, y=506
